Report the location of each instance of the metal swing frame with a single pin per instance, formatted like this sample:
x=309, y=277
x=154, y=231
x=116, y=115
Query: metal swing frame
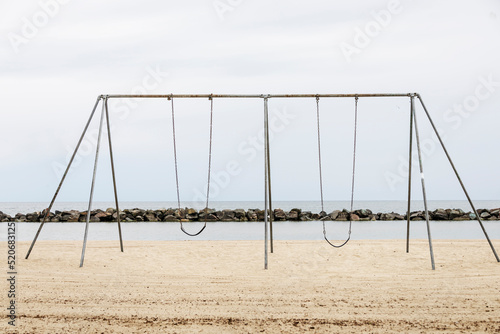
x=268, y=212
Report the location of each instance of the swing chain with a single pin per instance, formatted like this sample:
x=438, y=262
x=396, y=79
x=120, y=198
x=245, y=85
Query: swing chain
x=353, y=172
x=209, y=155
x=209, y=165
x=319, y=156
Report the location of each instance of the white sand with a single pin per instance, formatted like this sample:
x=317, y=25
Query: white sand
x=221, y=287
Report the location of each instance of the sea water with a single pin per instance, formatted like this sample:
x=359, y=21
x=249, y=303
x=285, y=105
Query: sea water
x=312, y=230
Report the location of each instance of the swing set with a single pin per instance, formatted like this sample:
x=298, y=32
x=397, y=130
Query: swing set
x=268, y=212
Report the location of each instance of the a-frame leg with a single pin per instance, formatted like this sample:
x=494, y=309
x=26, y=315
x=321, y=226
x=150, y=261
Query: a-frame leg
x=423, y=185
x=63, y=177
x=459, y=179
x=113, y=173
x=93, y=184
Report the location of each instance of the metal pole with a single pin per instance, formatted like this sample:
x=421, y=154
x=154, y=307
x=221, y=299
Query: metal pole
x=268, y=155
x=423, y=191
x=92, y=186
x=412, y=111
x=266, y=171
x=261, y=96
x=113, y=173
x=459, y=179
x=63, y=177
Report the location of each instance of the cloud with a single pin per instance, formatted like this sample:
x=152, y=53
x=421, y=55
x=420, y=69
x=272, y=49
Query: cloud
x=439, y=49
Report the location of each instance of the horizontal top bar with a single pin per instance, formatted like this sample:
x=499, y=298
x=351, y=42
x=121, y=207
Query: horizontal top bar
x=180, y=96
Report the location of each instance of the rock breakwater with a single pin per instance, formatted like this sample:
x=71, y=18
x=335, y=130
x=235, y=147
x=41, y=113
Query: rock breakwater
x=241, y=215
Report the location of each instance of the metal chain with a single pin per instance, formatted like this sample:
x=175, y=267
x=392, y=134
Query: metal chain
x=175, y=155
x=353, y=174
x=209, y=156
x=209, y=166
x=319, y=156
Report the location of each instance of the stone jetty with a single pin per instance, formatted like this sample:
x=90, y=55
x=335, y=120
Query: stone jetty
x=241, y=215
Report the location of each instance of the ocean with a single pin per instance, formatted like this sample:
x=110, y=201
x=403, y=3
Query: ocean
x=336, y=230
x=314, y=206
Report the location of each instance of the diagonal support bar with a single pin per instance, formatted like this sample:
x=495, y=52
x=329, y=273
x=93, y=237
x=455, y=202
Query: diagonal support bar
x=412, y=111
x=423, y=185
x=93, y=184
x=63, y=177
x=113, y=173
x=459, y=179
x=268, y=158
x=266, y=192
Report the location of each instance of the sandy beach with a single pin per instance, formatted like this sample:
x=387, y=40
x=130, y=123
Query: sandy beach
x=222, y=287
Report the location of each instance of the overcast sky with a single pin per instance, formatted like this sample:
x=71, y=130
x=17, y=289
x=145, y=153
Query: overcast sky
x=58, y=56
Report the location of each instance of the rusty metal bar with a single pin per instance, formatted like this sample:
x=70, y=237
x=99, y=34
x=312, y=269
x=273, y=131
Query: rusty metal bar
x=422, y=179
x=412, y=111
x=268, y=156
x=266, y=193
x=113, y=173
x=459, y=179
x=262, y=96
x=63, y=177
x=92, y=186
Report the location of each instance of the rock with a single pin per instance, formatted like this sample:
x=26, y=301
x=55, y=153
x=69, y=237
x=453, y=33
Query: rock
x=240, y=214
x=202, y=213
x=472, y=216
x=180, y=214
x=104, y=216
x=228, y=216
x=292, y=215
x=363, y=213
x=73, y=217
x=260, y=215
x=354, y=217
x=170, y=218
x=485, y=214
x=495, y=212
x=211, y=218
x=32, y=217
x=150, y=217
x=136, y=212
x=455, y=213
x=334, y=214
x=326, y=218
x=439, y=214
x=464, y=217
x=279, y=214
x=191, y=211
x=123, y=215
x=398, y=216
x=343, y=216
x=252, y=215
x=306, y=214
x=219, y=214
x=417, y=215
x=193, y=216
x=387, y=216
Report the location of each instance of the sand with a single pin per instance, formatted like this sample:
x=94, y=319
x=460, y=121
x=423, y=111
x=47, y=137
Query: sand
x=221, y=287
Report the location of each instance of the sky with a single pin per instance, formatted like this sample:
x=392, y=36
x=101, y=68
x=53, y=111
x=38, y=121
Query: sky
x=58, y=56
